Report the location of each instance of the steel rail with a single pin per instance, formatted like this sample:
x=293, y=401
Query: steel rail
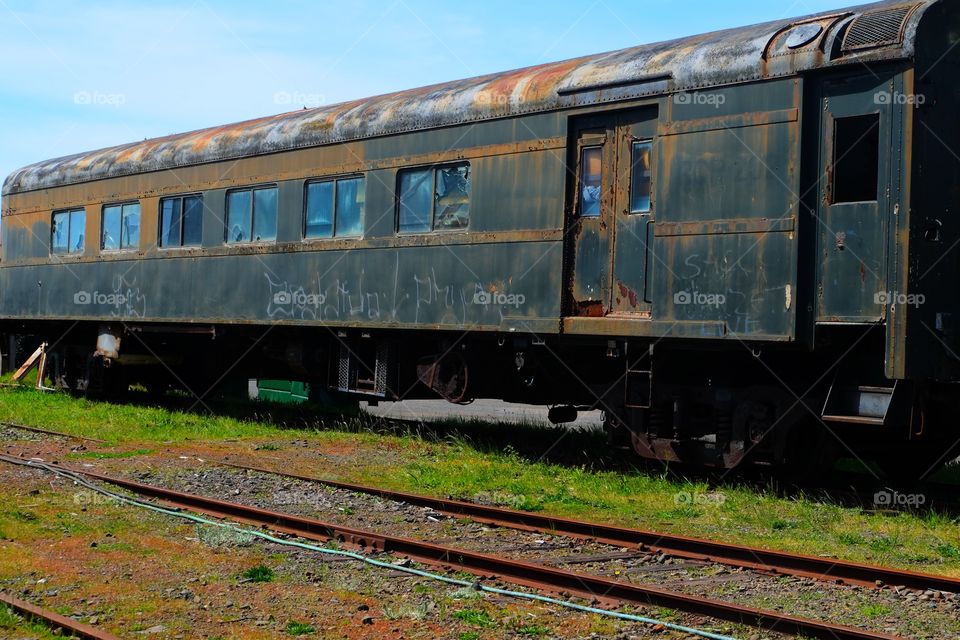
x=752, y=558
x=51, y=619
x=48, y=432
x=527, y=574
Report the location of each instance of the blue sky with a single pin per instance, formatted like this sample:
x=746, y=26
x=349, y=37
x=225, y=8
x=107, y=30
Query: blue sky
x=81, y=76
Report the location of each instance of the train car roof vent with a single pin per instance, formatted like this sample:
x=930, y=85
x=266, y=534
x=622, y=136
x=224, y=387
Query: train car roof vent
x=879, y=28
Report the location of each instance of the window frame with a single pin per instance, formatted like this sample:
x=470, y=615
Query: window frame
x=252, y=213
x=333, y=222
x=434, y=169
x=181, y=245
x=103, y=214
x=841, y=159
x=69, y=213
x=648, y=142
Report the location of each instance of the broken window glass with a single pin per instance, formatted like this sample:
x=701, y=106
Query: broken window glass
x=252, y=215
x=60, y=236
x=78, y=220
x=121, y=227
x=110, y=239
x=452, y=208
x=264, y=214
x=435, y=199
x=238, y=215
x=130, y=226
x=67, y=231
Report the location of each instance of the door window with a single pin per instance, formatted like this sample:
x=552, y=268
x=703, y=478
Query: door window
x=591, y=179
x=856, y=158
x=640, y=177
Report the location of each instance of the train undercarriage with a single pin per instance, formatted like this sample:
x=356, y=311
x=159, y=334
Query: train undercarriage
x=719, y=406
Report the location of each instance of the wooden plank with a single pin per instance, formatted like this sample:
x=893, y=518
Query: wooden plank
x=29, y=364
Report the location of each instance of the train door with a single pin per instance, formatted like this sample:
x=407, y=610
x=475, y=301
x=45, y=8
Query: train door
x=610, y=216
x=857, y=162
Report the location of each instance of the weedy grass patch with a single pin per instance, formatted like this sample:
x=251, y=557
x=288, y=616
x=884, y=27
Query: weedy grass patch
x=259, y=573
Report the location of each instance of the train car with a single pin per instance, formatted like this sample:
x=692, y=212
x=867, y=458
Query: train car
x=738, y=245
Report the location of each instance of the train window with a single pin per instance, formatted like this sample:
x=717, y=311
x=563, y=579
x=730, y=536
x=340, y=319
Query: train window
x=334, y=207
x=121, y=227
x=181, y=221
x=349, y=209
x=416, y=200
x=67, y=231
x=435, y=198
x=319, y=214
x=452, y=210
x=640, y=177
x=856, y=158
x=591, y=178
x=252, y=215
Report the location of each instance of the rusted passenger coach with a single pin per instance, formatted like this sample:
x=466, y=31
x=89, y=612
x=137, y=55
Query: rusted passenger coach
x=740, y=245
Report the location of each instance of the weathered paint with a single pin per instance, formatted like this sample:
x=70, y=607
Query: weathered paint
x=724, y=57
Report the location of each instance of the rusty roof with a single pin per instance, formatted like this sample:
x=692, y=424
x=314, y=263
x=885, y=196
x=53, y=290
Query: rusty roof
x=723, y=57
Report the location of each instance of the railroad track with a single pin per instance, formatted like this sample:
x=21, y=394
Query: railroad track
x=55, y=620
x=593, y=587
x=751, y=558
x=49, y=432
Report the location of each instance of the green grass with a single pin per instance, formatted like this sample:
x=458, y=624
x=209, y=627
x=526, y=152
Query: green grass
x=874, y=610
x=23, y=627
x=532, y=630
x=476, y=617
x=259, y=573
x=122, y=423
x=300, y=629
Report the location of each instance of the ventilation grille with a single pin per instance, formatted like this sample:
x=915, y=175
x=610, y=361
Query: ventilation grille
x=876, y=29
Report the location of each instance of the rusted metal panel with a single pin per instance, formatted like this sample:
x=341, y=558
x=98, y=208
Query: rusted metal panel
x=719, y=58
x=852, y=230
x=725, y=246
